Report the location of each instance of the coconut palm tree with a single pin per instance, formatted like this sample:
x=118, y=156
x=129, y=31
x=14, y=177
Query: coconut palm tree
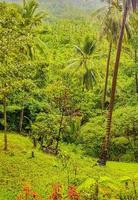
x=110, y=16
x=110, y=28
x=106, y=141
x=82, y=62
x=30, y=13
x=31, y=23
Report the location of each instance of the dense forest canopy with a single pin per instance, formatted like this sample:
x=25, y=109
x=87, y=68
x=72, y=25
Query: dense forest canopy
x=52, y=76
x=69, y=76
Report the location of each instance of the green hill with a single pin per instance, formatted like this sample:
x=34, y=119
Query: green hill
x=17, y=168
x=67, y=8
x=82, y=4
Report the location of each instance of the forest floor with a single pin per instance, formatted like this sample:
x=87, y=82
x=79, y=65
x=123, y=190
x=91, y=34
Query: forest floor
x=18, y=168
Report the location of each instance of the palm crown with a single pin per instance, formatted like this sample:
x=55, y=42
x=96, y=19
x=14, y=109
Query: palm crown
x=82, y=62
x=30, y=14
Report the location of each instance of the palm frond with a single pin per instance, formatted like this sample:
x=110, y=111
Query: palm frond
x=99, y=12
x=89, y=46
x=30, y=14
x=73, y=64
x=111, y=21
x=79, y=50
x=89, y=79
x=40, y=45
x=128, y=31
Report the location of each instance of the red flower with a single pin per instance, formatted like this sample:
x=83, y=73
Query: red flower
x=56, y=194
x=34, y=195
x=19, y=196
x=26, y=189
x=73, y=194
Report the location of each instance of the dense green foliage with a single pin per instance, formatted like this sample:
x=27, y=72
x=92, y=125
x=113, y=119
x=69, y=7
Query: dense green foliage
x=52, y=84
x=52, y=80
x=55, y=93
x=123, y=144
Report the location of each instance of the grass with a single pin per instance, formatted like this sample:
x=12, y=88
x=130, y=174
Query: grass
x=17, y=168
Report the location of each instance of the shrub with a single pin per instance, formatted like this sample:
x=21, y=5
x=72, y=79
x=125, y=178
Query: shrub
x=56, y=193
x=124, y=134
x=91, y=136
x=73, y=194
x=28, y=194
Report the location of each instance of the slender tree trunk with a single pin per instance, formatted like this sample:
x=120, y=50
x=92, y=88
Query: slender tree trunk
x=136, y=74
x=34, y=147
x=136, y=79
x=107, y=68
x=34, y=143
x=42, y=143
x=105, y=145
x=96, y=195
x=59, y=133
x=106, y=76
x=5, y=123
x=21, y=120
x=24, y=2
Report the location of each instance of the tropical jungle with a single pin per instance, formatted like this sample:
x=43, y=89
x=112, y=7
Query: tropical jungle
x=69, y=100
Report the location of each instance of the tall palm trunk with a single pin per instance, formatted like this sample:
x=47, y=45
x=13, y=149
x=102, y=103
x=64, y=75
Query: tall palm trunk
x=106, y=76
x=136, y=74
x=105, y=145
x=24, y=2
x=21, y=120
x=5, y=123
x=136, y=78
x=107, y=68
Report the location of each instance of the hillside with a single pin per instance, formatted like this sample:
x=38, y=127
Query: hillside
x=83, y=4
x=68, y=100
x=44, y=170
x=67, y=7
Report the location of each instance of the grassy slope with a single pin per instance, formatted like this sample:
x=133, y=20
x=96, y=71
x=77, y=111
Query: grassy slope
x=17, y=168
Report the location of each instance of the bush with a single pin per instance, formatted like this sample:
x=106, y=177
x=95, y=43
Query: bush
x=128, y=157
x=119, y=146
x=124, y=134
x=91, y=136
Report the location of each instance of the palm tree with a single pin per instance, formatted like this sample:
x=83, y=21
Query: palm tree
x=110, y=28
x=29, y=13
x=82, y=62
x=111, y=25
x=32, y=19
x=106, y=141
